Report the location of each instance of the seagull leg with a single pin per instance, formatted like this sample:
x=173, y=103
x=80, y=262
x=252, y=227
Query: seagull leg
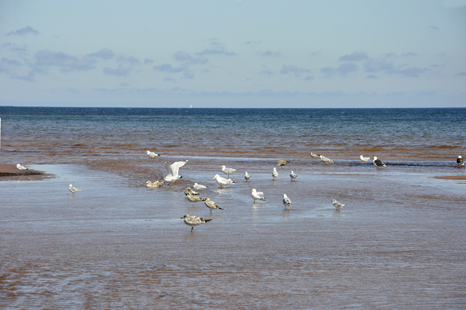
x=192, y=229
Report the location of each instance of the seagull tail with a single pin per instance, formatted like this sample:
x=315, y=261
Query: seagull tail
x=207, y=220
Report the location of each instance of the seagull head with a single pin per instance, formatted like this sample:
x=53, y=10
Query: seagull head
x=375, y=158
x=216, y=176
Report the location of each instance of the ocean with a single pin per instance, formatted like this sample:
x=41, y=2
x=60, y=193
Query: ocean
x=398, y=242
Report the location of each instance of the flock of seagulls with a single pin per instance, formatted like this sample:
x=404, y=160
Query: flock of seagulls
x=193, y=196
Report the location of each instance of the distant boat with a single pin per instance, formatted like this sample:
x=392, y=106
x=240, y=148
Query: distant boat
x=191, y=106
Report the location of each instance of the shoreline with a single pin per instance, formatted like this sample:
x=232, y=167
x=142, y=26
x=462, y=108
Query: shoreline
x=11, y=173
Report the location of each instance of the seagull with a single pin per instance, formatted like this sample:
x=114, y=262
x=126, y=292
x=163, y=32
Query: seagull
x=337, y=204
x=246, y=176
x=286, y=201
x=172, y=171
x=274, y=173
x=459, y=161
x=194, y=198
x=211, y=205
x=364, y=159
x=152, y=154
x=192, y=220
x=378, y=162
x=257, y=195
x=73, y=189
x=282, y=162
x=154, y=184
x=199, y=187
x=293, y=175
x=222, y=181
x=314, y=155
x=227, y=171
x=189, y=191
x=325, y=159
x=20, y=167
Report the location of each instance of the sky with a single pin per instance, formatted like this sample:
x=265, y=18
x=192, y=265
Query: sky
x=233, y=53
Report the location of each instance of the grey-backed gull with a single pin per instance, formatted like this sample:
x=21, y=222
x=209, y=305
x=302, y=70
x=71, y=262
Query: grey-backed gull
x=21, y=167
x=286, y=201
x=73, y=189
x=459, y=161
x=257, y=195
x=246, y=176
x=222, y=181
x=274, y=173
x=199, y=187
x=293, y=175
x=337, y=204
x=364, y=159
x=227, y=171
x=314, y=155
x=326, y=159
x=152, y=154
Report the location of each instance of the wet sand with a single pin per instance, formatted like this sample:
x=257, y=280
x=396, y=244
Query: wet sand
x=398, y=243
x=11, y=173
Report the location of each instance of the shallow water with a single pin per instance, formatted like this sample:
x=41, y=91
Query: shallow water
x=398, y=242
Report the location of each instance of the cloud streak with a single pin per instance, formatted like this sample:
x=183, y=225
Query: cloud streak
x=23, y=32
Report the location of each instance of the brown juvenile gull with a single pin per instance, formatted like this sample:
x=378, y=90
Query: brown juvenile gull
x=194, y=198
x=192, y=220
x=154, y=184
x=211, y=205
x=282, y=162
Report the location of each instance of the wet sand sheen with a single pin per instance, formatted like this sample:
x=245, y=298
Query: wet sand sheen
x=122, y=246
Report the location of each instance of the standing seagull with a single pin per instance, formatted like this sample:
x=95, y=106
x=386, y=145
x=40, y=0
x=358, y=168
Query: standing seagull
x=314, y=155
x=326, y=159
x=172, y=171
x=73, y=189
x=293, y=175
x=20, y=167
x=227, y=171
x=192, y=220
x=222, y=181
x=337, y=204
x=246, y=176
x=459, y=161
x=274, y=173
x=282, y=162
x=364, y=159
x=257, y=195
x=286, y=201
x=211, y=205
x=378, y=162
x=152, y=154
x=194, y=198
x=199, y=187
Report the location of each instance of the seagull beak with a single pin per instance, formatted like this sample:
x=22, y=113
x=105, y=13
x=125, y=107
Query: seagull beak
x=213, y=178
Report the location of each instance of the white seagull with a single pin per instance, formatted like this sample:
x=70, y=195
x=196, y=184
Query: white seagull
x=378, y=162
x=274, y=173
x=326, y=159
x=364, y=159
x=286, y=201
x=257, y=195
x=199, y=187
x=211, y=205
x=222, y=181
x=172, y=171
x=293, y=175
x=20, y=167
x=314, y=155
x=192, y=220
x=459, y=161
x=337, y=204
x=227, y=171
x=73, y=189
x=152, y=154
x=154, y=184
x=246, y=176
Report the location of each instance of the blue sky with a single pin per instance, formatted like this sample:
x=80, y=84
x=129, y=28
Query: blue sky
x=231, y=53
